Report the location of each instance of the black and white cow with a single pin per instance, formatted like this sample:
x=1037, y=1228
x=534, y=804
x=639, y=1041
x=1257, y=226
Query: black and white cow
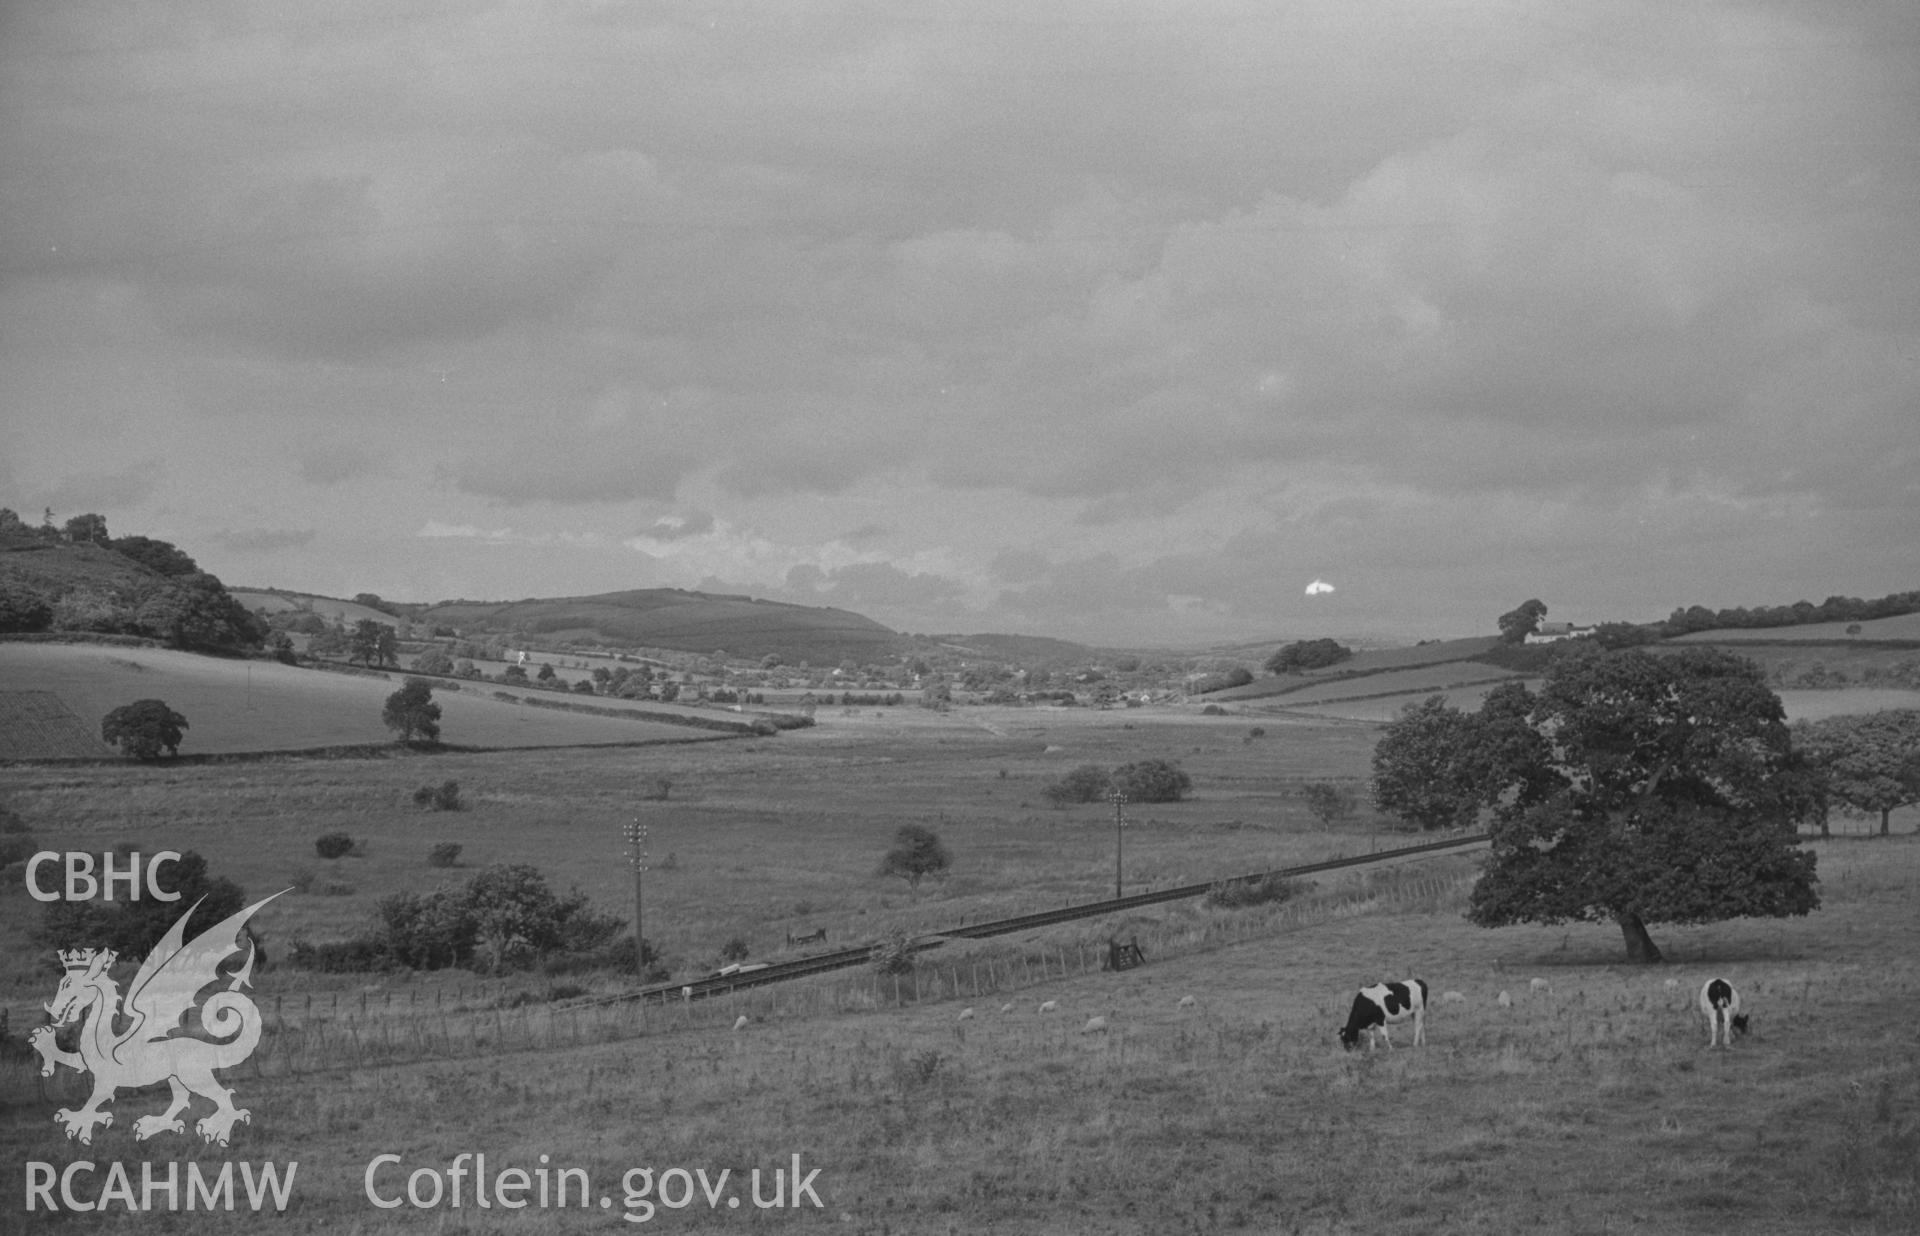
x=1383, y=1005
x=1721, y=1005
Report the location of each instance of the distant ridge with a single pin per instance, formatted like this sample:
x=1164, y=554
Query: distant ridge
x=1026, y=649
x=681, y=620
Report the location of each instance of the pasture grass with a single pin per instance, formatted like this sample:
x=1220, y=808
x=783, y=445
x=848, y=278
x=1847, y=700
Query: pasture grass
x=756, y=837
x=241, y=705
x=1589, y=1106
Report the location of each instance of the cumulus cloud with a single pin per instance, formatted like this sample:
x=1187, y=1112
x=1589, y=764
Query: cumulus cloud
x=676, y=527
x=1061, y=313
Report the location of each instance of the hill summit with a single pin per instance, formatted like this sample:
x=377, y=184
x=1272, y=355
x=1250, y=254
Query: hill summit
x=674, y=618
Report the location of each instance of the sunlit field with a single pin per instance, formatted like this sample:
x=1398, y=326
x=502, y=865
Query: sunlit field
x=237, y=705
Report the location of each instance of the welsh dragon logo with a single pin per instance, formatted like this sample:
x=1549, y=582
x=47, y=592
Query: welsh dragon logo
x=154, y=1043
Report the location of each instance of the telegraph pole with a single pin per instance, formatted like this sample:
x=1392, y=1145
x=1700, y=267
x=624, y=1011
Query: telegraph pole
x=1119, y=800
x=637, y=858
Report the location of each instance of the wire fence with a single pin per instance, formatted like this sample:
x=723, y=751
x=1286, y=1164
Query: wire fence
x=352, y=1031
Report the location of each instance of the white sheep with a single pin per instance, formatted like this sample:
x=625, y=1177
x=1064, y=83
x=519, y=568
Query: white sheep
x=1506, y=1001
x=740, y=1022
x=1095, y=1025
x=966, y=1014
x=1051, y=1006
x=1007, y=1008
x=1187, y=1002
x=1540, y=985
x=1453, y=997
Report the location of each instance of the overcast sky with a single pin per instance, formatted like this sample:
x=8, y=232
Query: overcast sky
x=1122, y=322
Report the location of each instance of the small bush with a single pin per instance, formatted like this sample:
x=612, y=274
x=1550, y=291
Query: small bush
x=445, y=854
x=918, y=1069
x=1152, y=781
x=334, y=888
x=340, y=956
x=1088, y=783
x=735, y=949
x=442, y=797
x=333, y=845
x=616, y=956
x=1238, y=894
x=893, y=954
x=1331, y=804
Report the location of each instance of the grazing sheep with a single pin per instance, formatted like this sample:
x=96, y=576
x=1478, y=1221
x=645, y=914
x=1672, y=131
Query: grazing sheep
x=1095, y=1025
x=1453, y=997
x=740, y=1022
x=1384, y=1004
x=1187, y=1002
x=1007, y=1008
x=1051, y=1006
x=1540, y=985
x=966, y=1014
x=1721, y=1005
x=1672, y=984
x=1506, y=1001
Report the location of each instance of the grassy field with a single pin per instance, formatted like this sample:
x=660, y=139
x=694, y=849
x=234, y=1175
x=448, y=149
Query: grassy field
x=1329, y=702
x=1899, y=626
x=756, y=836
x=234, y=705
x=330, y=608
x=1589, y=1107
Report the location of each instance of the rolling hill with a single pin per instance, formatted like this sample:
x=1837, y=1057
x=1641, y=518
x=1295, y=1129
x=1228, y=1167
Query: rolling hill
x=681, y=620
x=1372, y=663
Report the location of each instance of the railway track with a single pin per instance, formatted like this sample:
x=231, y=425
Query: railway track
x=821, y=963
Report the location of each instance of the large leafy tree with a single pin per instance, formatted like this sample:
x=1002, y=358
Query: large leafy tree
x=23, y=608
x=1652, y=789
x=1517, y=624
x=1428, y=767
x=141, y=729
x=160, y=556
x=90, y=528
x=411, y=712
x=1307, y=654
x=197, y=611
x=374, y=643
x=1869, y=763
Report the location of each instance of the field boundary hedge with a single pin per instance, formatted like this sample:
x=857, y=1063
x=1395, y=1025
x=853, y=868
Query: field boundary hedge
x=368, y=751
